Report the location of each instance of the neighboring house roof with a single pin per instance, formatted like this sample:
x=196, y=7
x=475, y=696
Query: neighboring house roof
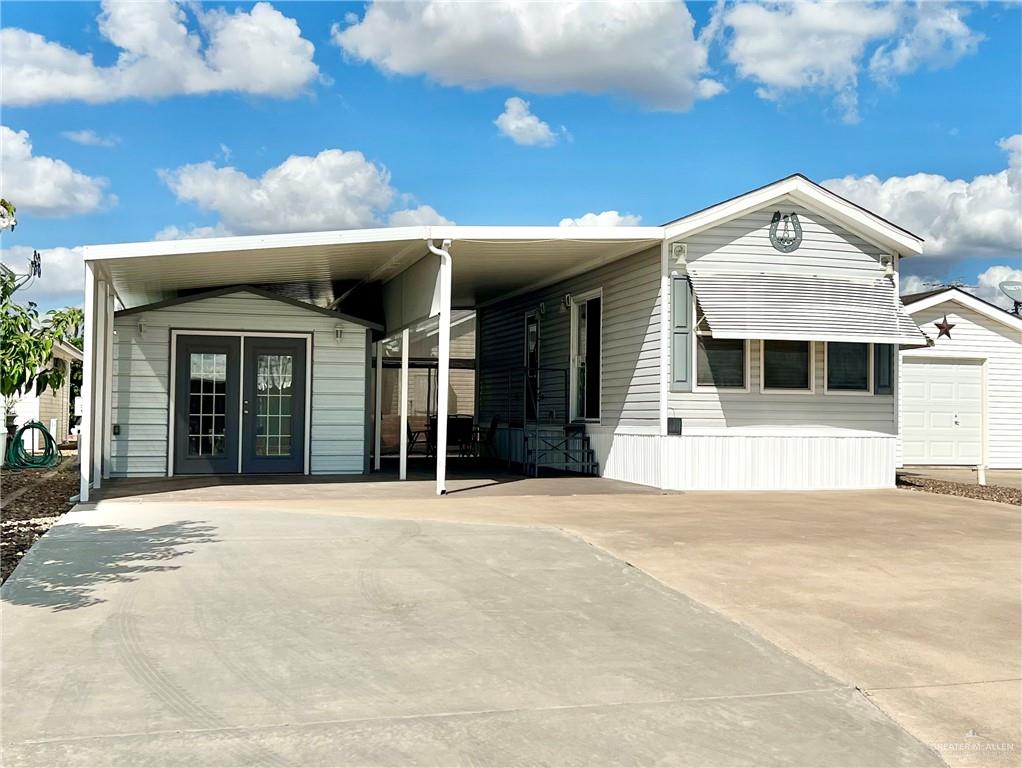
x=915, y=302
x=69, y=351
x=253, y=290
x=807, y=192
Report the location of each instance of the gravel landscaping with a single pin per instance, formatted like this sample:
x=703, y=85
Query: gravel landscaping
x=38, y=497
x=1001, y=493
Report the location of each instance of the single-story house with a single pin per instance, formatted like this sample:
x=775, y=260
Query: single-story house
x=749, y=345
x=53, y=407
x=960, y=395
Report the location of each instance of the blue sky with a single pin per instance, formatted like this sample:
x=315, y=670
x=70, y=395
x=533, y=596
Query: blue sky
x=649, y=112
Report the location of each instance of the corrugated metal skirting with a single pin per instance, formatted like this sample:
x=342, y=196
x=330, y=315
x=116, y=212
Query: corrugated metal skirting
x=747, y=462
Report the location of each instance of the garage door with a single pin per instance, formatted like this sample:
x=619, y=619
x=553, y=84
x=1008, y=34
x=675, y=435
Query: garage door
x=941, y=411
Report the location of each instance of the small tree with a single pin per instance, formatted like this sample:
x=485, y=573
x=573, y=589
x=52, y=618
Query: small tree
x=26, y=341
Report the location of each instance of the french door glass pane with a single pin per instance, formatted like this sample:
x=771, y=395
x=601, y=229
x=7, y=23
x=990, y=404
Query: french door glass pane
x=274, y=399
x=207, y=403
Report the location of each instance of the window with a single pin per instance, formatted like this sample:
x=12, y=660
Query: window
x=883, y=369
x=848, y=366
x=585, y=350
x=720, y=363
x=788, y=366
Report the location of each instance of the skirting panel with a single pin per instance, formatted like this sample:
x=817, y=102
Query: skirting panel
x=780, y=463
x=747, y=462
x=634, y=458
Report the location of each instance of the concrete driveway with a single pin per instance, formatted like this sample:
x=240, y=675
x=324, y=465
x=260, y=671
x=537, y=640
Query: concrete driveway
x=286, y=633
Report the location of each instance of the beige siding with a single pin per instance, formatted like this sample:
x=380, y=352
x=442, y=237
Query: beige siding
x=977, y=336
x=631, y=344
x=141, y=379
x=827, y=249
x=752, y=410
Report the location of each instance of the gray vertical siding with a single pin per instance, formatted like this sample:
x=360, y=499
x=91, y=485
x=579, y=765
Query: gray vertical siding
x=630, y=374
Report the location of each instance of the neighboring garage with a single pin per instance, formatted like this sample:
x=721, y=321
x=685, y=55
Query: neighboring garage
x=959, y=397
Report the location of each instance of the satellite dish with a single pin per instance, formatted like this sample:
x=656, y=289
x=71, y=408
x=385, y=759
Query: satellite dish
x=1013, y=290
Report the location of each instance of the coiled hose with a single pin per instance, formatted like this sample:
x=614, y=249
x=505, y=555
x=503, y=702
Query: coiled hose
x=19, y=458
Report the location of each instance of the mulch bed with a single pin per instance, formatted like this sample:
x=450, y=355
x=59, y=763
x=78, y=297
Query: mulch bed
x=1002, y=493
x=30, y=514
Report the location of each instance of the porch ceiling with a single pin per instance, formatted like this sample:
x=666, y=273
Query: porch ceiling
x=489, y=262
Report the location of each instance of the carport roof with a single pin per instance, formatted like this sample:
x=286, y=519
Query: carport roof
x=489, y=262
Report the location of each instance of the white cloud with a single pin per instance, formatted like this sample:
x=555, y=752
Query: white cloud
x=645, y=51
x=336, y=189
x=938, y=38
x=989, y=280
x=260, y=51
x=173, y=232
x=806, y=45
x=43, y=186
x=811, y=45
x=521, y=126
x=90, y=138
x=63, y=275
x=958, y=218
x=424, y=215
x=604, y=219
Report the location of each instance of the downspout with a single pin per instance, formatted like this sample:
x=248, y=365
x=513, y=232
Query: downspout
x=443, y=362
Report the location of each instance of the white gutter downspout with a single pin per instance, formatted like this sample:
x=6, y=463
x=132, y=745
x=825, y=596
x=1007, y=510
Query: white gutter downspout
x=443, y=363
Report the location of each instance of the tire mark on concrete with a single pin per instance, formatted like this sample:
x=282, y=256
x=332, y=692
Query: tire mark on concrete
x=370, y=583
x=145, y=670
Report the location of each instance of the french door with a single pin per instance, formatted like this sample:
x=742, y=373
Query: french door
x=239, y=404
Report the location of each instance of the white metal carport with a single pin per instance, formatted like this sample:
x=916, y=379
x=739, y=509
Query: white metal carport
x=473, y=266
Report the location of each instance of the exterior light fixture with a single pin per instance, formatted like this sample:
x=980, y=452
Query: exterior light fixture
x=338, y=333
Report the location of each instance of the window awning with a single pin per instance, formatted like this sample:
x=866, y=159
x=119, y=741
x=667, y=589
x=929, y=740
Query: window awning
x=747, y=305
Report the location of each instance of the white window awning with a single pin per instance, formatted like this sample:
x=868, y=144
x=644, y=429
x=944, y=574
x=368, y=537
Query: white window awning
x=747, y=305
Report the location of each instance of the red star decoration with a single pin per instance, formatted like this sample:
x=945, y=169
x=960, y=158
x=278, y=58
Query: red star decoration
x=944, y=328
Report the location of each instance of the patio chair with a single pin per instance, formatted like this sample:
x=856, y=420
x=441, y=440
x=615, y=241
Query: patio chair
x=486, y=442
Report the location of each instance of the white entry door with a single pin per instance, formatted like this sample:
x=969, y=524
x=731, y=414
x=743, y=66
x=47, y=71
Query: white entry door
x=941, y=411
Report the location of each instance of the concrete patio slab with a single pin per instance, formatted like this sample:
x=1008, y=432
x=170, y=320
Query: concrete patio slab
x=214, y=634
x=912, y=597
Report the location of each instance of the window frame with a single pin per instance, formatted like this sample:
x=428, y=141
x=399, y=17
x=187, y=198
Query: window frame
x=576, y=300
x=811, y=390
x=697, y=387
x=870, y=383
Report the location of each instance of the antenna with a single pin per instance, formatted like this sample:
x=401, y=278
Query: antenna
x=1013, y=290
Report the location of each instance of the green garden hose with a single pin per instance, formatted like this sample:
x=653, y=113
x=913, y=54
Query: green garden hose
x=20, y=458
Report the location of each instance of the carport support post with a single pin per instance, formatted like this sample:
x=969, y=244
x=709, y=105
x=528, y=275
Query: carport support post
x=378, y=436
x=86, y=430
x=443, y=364
x=403, y=435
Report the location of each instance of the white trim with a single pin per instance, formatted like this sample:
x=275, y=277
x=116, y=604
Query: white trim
x=364, y=236
x=88, y=387
x=576, y=302
x=812, y=370
x=402, y=473
x=108, y=383
x=800, y=189
x=308, y=402
x=968, y=301
x=378, y=408
x=697, y=387
x=868, y=391
x=99, y=394
x=665, y=320
x=309, y=340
